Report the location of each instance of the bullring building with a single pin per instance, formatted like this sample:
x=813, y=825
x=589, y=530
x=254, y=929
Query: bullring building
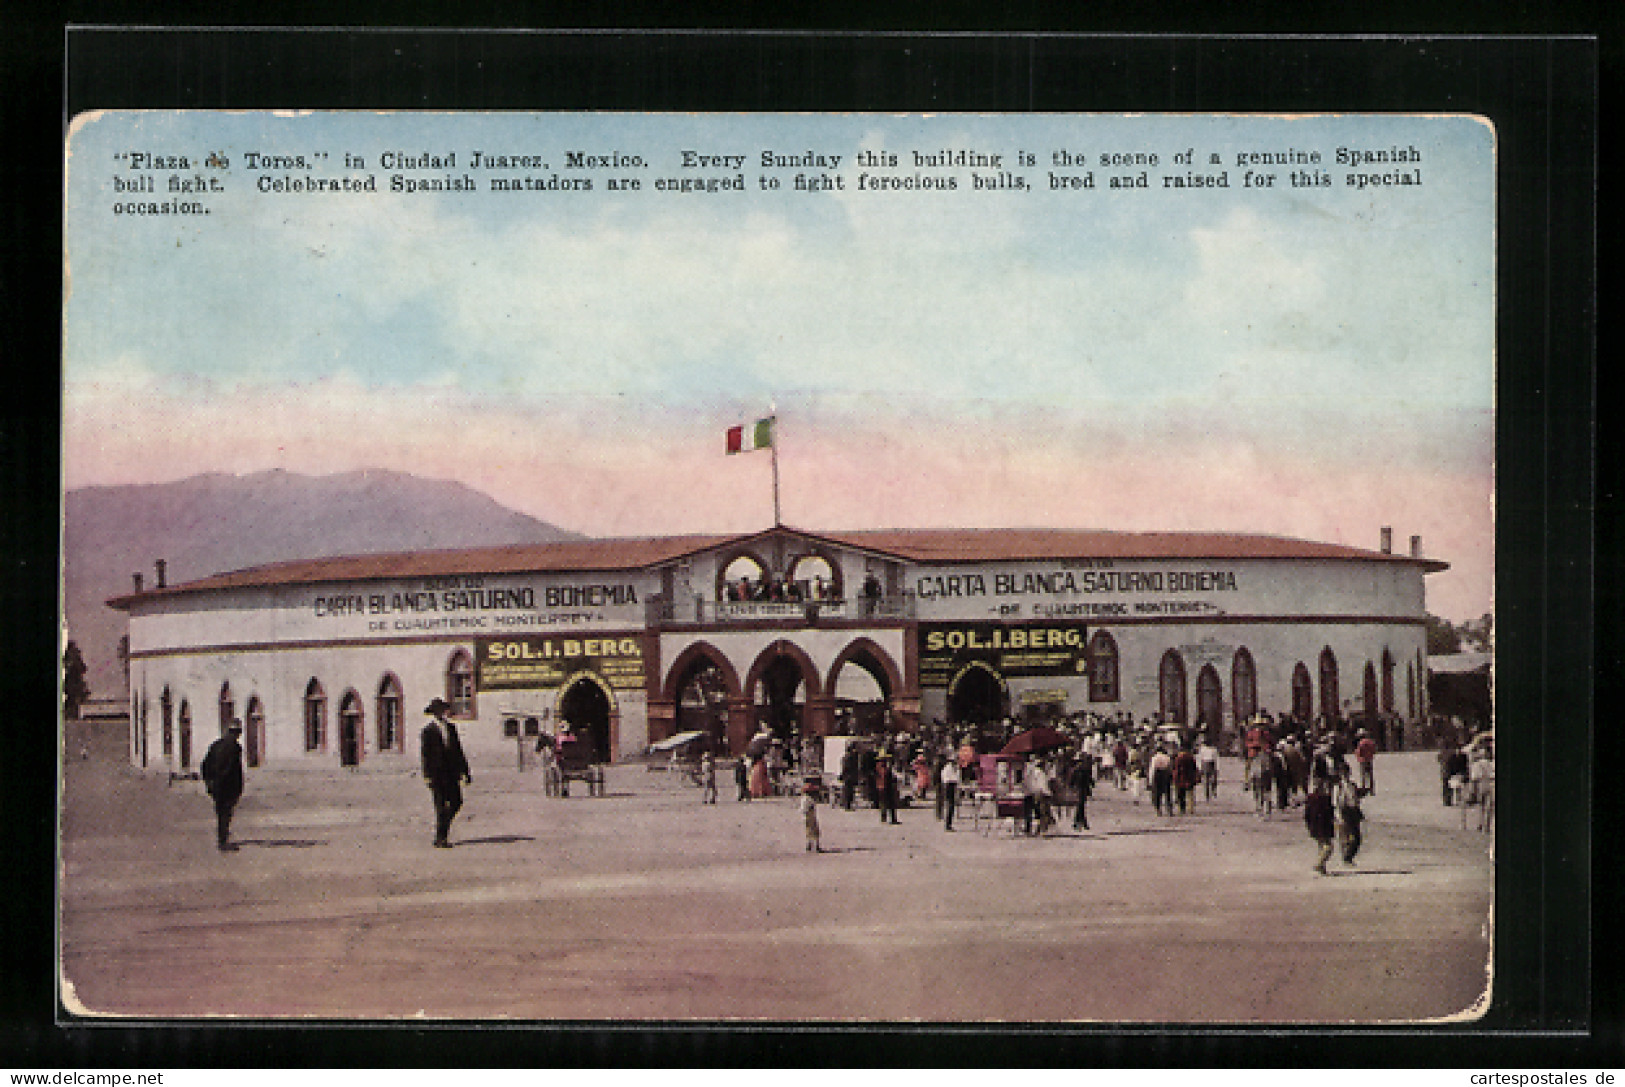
x=329, y=662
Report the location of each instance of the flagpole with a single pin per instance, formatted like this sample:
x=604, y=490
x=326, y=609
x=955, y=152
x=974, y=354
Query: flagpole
x=773, y=448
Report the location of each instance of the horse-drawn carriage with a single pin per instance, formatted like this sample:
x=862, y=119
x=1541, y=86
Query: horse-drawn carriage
x=570, y=760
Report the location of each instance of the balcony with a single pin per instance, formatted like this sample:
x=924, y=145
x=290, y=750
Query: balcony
x=801, y=613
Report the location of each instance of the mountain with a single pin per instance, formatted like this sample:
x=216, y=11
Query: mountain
x=216, y=522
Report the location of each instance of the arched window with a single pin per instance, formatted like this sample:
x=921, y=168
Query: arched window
x=166, y=710
x=228, y=707
x=315, y=716
x=1368, y=690
x=1387, y=682
x=1303, y=693
x=1102, y=663
x=1209, y=701
x=186, y=734
x=1243, y=686
x=1330, y=699
x=1410, y=692
x=460, y=684
x=254, y=731
x=390, y=736
x=1171, y=685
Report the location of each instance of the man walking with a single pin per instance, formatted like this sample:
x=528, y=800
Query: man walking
x=222, y=774
x=1319, y=817
x=1365, y=753
x=1083, y=784
x=444, y=769
x=948, y=792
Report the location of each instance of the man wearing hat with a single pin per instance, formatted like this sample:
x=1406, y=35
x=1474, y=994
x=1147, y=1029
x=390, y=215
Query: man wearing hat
x=444, y=768
x=222, y=774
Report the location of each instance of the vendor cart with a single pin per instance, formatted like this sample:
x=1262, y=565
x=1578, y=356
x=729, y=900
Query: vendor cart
x=999, y=791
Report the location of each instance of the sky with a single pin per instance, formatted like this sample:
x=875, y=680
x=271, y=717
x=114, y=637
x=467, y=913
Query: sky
x=1314, y=361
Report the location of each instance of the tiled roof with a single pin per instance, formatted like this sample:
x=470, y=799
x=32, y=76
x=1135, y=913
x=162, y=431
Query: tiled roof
x=991, y=545
x=915, y=545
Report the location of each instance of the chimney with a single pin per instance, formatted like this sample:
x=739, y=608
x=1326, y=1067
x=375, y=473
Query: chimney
x=137, y=579
x=1416, y=547
x=160, y=566
x=1387, y=539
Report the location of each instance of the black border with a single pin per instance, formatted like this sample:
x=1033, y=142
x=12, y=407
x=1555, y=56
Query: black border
x=1542, y=95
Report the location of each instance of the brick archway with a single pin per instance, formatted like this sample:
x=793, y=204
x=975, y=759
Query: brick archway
x=779, y=650
x=663, y=704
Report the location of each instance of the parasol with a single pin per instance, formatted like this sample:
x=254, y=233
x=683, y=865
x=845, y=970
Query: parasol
x=1037, y=738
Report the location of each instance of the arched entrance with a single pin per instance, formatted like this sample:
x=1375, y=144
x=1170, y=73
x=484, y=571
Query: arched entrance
x=1209, y=702
x=861, y=684
x=350, y=729
x=254, y=732
x=584, y=705
x=977, y=694
x=779, y=687
x=702, y=702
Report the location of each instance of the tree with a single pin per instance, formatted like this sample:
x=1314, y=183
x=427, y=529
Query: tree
x=74, y=689
x=1442, y=638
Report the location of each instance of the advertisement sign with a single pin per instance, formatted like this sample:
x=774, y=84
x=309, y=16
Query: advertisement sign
x=1040, y=649
x=545, y=661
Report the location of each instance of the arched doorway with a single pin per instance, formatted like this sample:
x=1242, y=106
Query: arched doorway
x=977, y=694
x=1171, y=688
x=350, y=729
x=254, y=732
x=777, y=706
x=584, y=706
x=186, y=734
x=780, y=685
x=1209, y=702
x=702, y=702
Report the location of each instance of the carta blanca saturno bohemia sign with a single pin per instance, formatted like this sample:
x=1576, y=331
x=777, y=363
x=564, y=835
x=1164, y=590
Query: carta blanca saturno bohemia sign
x=1046, y=649
x=542, y=661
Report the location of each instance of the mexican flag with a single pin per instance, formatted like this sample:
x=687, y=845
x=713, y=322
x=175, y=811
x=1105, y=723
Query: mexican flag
x=743, y=439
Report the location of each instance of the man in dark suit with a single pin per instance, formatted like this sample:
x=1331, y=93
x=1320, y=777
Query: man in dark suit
x=222, y=774
x=444, y=769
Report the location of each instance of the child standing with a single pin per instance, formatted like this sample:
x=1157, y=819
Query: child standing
x=809, y=815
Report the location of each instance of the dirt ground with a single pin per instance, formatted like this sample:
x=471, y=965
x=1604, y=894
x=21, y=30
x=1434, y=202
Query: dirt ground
x=647, y=905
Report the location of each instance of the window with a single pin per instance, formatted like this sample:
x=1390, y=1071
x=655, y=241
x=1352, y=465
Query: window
x=1330, y=699
x=1102, y=664
x=315, y=716
x=1387, y=682
x=460, y=684
x=1171, y=686
x=1303, y=693
x=228, y=708
x=1243, y=686
x=166, y=708
x=389, y=714
x=254, y=733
